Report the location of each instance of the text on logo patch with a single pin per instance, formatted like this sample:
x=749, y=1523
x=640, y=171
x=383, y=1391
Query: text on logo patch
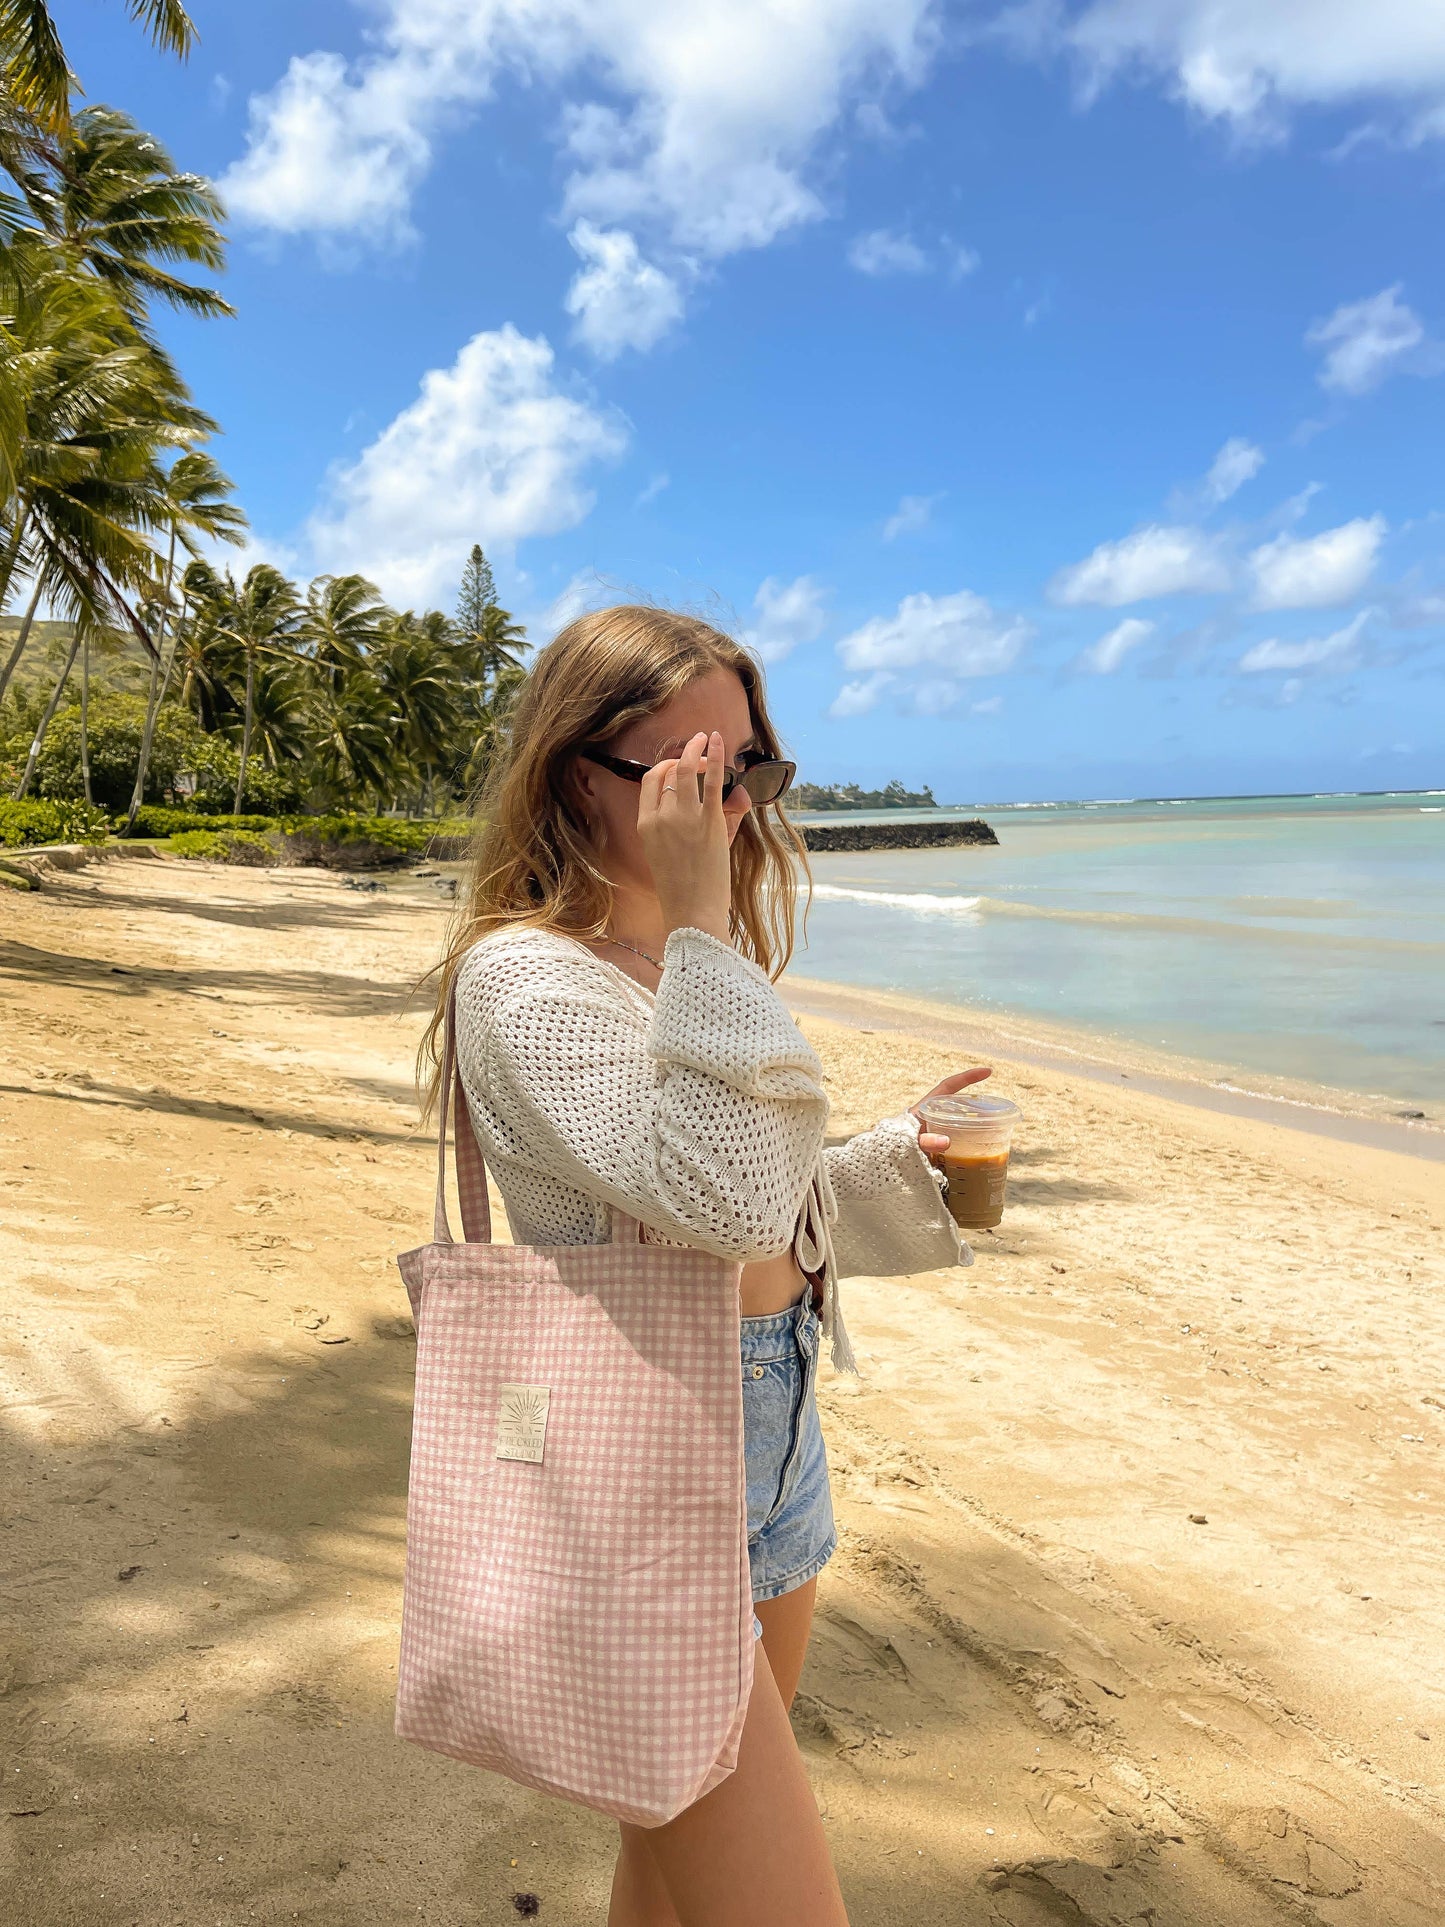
x=522, y=1422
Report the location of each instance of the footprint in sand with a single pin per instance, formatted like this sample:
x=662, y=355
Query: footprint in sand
x=1027, y=1896
x=864, y=1651
x=1292, y=1855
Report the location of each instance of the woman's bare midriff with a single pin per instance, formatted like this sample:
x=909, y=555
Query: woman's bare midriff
x=772, y=1284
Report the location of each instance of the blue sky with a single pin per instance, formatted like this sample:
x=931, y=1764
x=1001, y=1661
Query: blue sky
x=1054, y=393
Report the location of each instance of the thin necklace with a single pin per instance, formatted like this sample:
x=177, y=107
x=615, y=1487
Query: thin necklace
x=635, y=949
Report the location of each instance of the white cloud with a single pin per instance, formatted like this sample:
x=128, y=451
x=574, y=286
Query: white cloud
x=654, y=488
x=584, y=590
x=694, y=124
x=1105, y=656
x=1317, y=571
x=858, y=697
x=990, y=706
x=491, y=451
x=913, y=513
x=1248, y=62
x=1367, y=341
x=958, y=259
x=787, y=613
x=1325, y=653
x=880, y=252
x=950, y=638
x=1236, y=463
x=333, y=153
x=1153, y=561
x=620, y=300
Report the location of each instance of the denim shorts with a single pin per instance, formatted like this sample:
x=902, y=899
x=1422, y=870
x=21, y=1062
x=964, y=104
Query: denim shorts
x=791, y=1535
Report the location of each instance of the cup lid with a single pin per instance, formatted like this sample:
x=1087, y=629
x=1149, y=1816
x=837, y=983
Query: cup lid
x=961, y=1110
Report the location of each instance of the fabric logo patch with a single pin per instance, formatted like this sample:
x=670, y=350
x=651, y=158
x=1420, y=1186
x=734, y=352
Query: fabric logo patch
x=522, y=1422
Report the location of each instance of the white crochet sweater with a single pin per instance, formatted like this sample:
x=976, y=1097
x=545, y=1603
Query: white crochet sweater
x=699, y=1110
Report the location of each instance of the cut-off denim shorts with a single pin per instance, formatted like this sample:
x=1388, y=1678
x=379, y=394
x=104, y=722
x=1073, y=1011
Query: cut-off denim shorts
x=791, y=1535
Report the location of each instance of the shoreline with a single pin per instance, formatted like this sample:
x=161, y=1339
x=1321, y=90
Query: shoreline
x=1346, y=1116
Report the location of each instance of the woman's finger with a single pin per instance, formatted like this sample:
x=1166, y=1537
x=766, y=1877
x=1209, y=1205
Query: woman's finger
x=687, y=768
x=959, y=1081
x=932, y=1141
x=713, y=774
x=660, y=776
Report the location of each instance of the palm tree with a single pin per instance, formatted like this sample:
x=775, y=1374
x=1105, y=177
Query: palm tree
x=80, y=636
x=259, y=620
x=278, y=711
x=85, y=716
x=354, y=746
x=113, y=199
x=416, y=665
x=498, y=644
x=343, y=620
x=97, y=405
x=35, y=76
x=492, y=731
x=197, y=495
x=201, y=646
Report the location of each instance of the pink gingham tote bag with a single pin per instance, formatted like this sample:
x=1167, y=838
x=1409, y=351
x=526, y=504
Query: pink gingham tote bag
x=577, y=1608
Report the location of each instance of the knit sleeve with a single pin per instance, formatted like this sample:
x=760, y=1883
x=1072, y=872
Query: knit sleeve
x=891, y=1216
x=705, y=1123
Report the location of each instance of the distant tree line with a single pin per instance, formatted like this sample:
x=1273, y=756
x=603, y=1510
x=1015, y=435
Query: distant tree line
x=848, y=796
x=267, y=697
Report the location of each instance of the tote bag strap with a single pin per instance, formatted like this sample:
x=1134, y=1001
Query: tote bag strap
x=471, y=1167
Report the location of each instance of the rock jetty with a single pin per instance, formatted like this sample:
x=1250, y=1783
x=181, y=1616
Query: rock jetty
x=894, y=836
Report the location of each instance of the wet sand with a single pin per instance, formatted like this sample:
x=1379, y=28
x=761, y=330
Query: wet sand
x=1139, y=1607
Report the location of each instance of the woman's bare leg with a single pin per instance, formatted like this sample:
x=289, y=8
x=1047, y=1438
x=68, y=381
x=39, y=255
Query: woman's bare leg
x=787, y=1624
x=639, y=1898
x=752, y=1851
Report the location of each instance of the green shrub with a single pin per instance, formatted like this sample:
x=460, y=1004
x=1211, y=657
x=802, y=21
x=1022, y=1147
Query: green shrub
x=226, y=846
x=114, y=731
x=353, y=842
x=42, y=821
x=153, y=819
x=268, y=792
x=332, y=842
x=181, y=753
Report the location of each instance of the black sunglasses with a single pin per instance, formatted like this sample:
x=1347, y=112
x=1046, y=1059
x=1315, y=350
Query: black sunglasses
x=764, y=780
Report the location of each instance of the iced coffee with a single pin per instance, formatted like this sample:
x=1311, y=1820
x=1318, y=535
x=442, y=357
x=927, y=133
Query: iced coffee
x=975, y=1165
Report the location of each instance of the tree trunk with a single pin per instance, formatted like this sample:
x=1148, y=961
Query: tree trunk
x=155, y=696
x=60, y=681
x=85, y=717
x=246, y=727
x=20, y=641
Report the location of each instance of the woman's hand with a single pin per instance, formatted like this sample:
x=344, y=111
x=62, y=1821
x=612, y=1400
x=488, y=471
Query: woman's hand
x=685, y=838
x=933, y=1141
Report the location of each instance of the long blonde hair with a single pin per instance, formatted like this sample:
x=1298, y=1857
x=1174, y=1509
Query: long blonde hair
x=533, y=859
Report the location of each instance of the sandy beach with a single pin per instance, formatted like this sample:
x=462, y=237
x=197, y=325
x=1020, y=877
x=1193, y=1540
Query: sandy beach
x=1139, y=1607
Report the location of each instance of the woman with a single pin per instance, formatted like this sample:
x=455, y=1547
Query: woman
x=623, y=1047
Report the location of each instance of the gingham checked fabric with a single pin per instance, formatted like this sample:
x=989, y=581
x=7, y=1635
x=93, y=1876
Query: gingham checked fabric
x=582, y=1625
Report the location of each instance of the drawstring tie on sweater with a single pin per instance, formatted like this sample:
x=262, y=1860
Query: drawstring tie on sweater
x=814, y=1250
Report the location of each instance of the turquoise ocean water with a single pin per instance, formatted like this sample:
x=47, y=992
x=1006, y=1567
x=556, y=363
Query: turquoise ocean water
x=1294, y=937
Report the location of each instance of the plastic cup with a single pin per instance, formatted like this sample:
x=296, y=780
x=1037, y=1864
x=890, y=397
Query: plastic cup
x=975, y=1165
